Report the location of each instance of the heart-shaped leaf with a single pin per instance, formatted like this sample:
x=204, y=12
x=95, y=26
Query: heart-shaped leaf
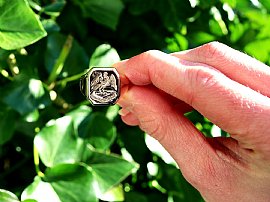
x=26, y=96
x=98, y=130
x=57, y=143
x=64, y=189
x=108, y=169
x=20, y=30
x=104, y=56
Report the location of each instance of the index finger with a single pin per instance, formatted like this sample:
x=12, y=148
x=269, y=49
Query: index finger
x=230, y=105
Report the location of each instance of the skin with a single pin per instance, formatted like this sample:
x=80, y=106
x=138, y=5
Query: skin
x=229, y=88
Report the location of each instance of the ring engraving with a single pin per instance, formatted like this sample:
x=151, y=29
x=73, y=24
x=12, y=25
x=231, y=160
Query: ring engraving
x=101, y=85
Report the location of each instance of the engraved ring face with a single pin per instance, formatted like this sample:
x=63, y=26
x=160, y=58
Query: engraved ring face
x=101, y=85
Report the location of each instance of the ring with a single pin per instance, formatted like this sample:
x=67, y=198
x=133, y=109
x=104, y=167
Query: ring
x=101, y=86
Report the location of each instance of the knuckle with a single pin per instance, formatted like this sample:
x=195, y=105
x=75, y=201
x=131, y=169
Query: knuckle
x=150, y=55
x=212, y=51
x=200, y=79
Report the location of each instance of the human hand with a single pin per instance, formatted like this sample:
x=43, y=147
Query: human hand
x=229, y=88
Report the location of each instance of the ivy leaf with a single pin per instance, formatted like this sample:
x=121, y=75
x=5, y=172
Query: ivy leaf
x=98, y=130
x=65, y=172
x=104, y=56
x=57, y=143
x=76, y=61
x=78, y=115
x=26, y=96
x=171, y=179
x=7, y=125
x=108, y=169
x=55, y=8
x=80, y=188
x=171, y=12
x=105, y=12
x=19, y=26
x=7, y=196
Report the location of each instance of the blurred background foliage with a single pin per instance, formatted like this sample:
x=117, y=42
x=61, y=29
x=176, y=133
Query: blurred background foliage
x=54, y=145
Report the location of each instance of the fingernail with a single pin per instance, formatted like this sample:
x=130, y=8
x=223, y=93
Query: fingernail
x=123, y=112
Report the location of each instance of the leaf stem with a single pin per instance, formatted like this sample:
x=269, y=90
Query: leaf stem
x=69, y=79
x=59, y=64
x=36, y=162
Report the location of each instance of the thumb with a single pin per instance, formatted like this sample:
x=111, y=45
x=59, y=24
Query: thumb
x=154, y=112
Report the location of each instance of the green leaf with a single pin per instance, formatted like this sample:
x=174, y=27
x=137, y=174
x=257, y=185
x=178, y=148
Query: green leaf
x=57, y=143
x=135, y=197
x=50, y=25
x=79, y=189
x=200, y=37
x=65, y=172
x=171, y=179
x=104, y=56
x=98, y=130
x=76, y=61
x=7, y=123
x=171, y=12
x=78, y=115
x=232, y=3
x=29, y=200
x=112, y=112
x=19, y=25
x=108, y=170
x=260, y=49
x=105, y=12
x=26, y=96
x=133, y=138
x=55, y=8
x=266, y=4
x=207, y=3
x=114, y=194
x=6, y=196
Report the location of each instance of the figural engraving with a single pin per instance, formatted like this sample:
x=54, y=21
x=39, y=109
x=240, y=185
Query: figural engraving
x=101, y=86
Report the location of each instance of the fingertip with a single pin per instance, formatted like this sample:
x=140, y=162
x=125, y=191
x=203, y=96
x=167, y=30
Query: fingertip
x=120, y=67
x=122, y=101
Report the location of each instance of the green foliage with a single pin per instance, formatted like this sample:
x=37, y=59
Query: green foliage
x=84, y=153
x=19, y=26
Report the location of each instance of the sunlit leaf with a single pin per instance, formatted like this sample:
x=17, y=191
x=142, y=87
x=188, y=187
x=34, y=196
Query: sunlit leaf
x=259, y=49
x=20, y=30
x=7, y=196
x=26, y=96
x=114, y=194
x=232, y=3
x=108, y=170
x=78, y=115
x=57, y=143
x=104, y=56
x=63, y=190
